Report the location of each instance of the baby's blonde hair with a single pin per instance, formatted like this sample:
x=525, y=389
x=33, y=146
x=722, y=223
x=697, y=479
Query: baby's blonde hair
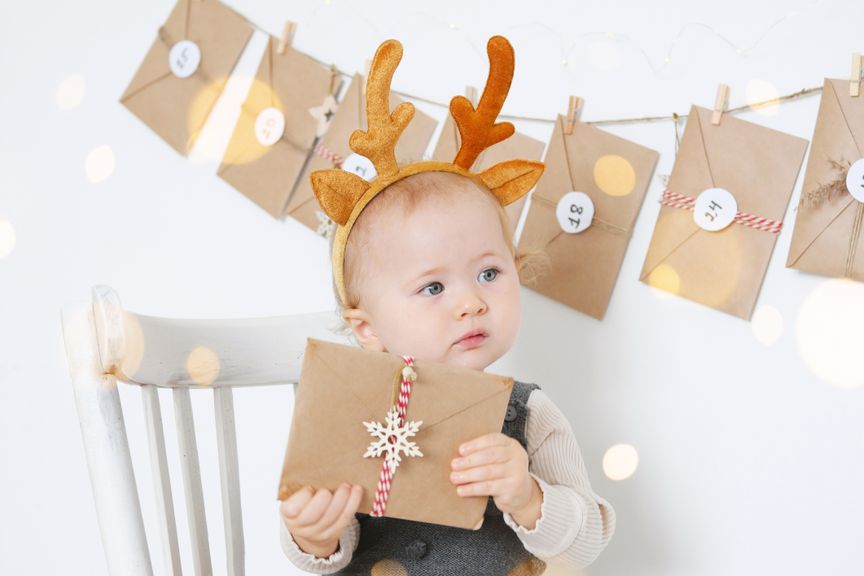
x=407, y=195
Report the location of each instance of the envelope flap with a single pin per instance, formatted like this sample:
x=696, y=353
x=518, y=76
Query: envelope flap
x=443, y=391
x=833, y=140
x=220, y=33
x=294, y=83
x=585, y=155
x=853, y=112
x=370, y=377
x=758, y=165
x=691, y=174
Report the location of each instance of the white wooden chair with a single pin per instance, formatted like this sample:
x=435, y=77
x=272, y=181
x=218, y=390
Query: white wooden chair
x=105, y=343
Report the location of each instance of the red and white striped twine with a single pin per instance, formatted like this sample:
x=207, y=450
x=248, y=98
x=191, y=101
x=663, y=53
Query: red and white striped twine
x=385, y=479
x=324, y=152
x=675, y=200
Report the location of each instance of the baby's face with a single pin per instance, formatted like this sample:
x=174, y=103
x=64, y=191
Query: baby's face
x=440, y=274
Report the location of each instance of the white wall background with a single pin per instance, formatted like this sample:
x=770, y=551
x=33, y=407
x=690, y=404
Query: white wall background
x=750, y=436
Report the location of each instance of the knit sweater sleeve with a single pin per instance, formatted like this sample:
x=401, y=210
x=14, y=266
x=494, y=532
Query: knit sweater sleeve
x=575, y=524
x=333, y=563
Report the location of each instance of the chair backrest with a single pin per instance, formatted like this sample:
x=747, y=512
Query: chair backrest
x=106, y=344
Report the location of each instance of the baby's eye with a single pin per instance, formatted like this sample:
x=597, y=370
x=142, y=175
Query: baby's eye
x=437, y=288
x=490, y=274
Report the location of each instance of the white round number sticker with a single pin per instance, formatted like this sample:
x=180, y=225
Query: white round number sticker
x=715, y=209
x=575, y=212
x=855, y=180
x=359, y=165
x=269, y=126
x=184, y=58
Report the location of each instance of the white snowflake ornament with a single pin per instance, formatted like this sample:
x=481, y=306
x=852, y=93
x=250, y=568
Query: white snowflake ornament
x=392, y=439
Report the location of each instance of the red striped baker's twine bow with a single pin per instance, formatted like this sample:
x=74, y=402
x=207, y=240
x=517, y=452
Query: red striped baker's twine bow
x=322, y=151
x=676, y=200
x=385, y=479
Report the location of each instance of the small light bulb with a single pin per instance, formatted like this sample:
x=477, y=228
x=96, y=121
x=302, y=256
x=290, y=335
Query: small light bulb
x=564, y=62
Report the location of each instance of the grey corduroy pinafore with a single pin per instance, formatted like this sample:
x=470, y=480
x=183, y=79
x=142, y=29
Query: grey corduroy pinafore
x=396, y=546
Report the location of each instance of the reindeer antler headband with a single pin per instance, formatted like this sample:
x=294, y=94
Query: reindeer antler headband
x=343, y=195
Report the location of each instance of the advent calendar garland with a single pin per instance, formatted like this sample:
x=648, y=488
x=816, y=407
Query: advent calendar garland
x=199, y=44
x=392, y=438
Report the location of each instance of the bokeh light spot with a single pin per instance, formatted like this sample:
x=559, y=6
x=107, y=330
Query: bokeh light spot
x=7, y=238
x=70, y=92
x=202, y=364
x=99, y=164
x=620, y=461
x=767, y=324
x=829, y=332
x=762, y=91
x=614, y=175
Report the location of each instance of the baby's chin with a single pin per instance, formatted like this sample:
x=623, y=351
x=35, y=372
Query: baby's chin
x=475, y=359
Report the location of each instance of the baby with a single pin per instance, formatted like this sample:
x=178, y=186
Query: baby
x=431, y=271
x=424, y=265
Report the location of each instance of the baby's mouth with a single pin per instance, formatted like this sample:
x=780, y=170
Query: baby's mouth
x=472, y=339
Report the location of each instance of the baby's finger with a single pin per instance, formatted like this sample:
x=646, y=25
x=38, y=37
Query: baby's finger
x=315, y=508
x=483, y=488
x=334, y=509
x=355, y=496
x=479, y=473
x=481, y=442
x=292, y=505
x=492, y=455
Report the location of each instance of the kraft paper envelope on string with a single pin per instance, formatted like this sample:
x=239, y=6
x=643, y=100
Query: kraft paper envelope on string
x=343, y=386
x=265, y=166
x=516, y=146
x=758, y=166
x=614, y=173
x=333, y=149
x=176, y=107
x=827, y=236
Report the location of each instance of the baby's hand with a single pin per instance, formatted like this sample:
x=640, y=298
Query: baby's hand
x=316, y=518
x=496, y=465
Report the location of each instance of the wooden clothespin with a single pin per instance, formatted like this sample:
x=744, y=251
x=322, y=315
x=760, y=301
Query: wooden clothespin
x=855, y=80
x=720, y=104
x=471, y=94
x=287, y=36
x=574, y=110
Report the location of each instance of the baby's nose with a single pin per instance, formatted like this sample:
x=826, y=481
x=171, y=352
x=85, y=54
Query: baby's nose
x=471, y=304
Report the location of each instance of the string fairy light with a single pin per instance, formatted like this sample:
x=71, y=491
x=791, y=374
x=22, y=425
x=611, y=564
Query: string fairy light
x=674, y=117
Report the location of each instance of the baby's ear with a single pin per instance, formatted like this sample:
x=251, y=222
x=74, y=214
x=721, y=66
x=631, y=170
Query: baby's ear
x=337, y=192
x=512, y=179
x=360, y=324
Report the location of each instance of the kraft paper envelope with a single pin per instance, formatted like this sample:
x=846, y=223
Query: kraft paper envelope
x=615, y=174
x=516, y=146
x=826, y=239
x=176, y=108
x=343, y=386
x=351, y=116
x=293, y=83
x=758, y=166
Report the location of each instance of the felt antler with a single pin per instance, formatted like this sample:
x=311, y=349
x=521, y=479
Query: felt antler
x=378, y=143
x=477, y=128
